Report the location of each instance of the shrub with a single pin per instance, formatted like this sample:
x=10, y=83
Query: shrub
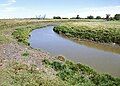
x=117, y=17
x=77, y=17
x=98, y=17
x=46, y=62
x=81, y=75
x=65, y=18
x=56, y=17
x=90, y=17
x=25, y=54
x=57, y=65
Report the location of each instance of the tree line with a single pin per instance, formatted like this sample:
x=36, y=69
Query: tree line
x=116, y=17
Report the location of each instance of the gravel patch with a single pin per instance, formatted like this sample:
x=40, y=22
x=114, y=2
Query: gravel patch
x=14, y=51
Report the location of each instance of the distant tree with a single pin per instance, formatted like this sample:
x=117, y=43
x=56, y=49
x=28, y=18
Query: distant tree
x=64, y=18
x=90, y=17
x=98, y=17
x=77, y=17
x=44, y=16
x=38, y=17
x=107, y=17
x=73, y=18
x=41, y=17
x=56, y=17
x=117, y=17
x=111, y=18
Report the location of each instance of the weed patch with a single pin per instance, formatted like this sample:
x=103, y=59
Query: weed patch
x=81, y=75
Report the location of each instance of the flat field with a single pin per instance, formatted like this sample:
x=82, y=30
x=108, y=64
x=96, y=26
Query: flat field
x=20, y=65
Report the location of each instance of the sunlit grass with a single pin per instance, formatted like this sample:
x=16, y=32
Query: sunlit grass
x=68, y=73
x=20, y=74
x=80, y=75
x=22, y=33
x=105, y=32
x=21, y=27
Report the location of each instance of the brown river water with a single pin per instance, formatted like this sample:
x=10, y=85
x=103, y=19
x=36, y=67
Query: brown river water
x=103, y=58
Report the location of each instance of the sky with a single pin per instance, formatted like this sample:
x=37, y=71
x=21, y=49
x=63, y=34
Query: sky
x=63, y=8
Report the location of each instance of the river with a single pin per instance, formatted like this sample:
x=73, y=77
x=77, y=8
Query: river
x=103, y=58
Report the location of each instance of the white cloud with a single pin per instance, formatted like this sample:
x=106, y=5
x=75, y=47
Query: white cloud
x=13, y=1
x=99, y=11
x=84, y=12
x=7, y=10
x=7, y=7
x=9, y=2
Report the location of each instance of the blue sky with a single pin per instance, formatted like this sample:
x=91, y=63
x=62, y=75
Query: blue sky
x=63, y=8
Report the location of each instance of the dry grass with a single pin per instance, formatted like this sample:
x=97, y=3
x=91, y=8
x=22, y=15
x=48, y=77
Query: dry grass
x=106, y=32
x=97, y=25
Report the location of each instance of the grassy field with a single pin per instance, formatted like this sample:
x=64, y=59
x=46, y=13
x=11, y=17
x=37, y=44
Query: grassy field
x=67, y=73
x=52, y=72
x=22, y=34
x=20, y=74
x=105, y=31
x=8, y=26
x=80, y=75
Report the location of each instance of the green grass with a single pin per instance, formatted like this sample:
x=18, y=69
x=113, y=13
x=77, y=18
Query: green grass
x=3, y=39
x=66, y=73
x=25, y=54
x=22, y=34
x=105, y=32
x=81, y=75
x=20, y=74
x=8, y=26
x=21, y=27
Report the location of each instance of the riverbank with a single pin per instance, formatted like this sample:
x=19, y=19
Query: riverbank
x=22, y=65
x=14, y=36
x=103, y=32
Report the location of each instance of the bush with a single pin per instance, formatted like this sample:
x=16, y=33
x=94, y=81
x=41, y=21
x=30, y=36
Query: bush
x=77, y=17
x=56, y=17
x=25, y=54
x=105, y=80
x=57, y=65
x=98, y=17
x=81, y=75
x=46, y=62
x=90, y=17
x=117, y=17
x=65, y=18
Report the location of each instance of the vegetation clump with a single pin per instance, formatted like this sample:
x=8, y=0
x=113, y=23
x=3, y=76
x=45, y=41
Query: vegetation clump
x=20, y=74
x=98, y=17
x=67, y=73
x=56, y=17
x=117, y=17
x=99, y=32
x=90, y=17
x=22, y=34
x=80, y=75
x=25, y=54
